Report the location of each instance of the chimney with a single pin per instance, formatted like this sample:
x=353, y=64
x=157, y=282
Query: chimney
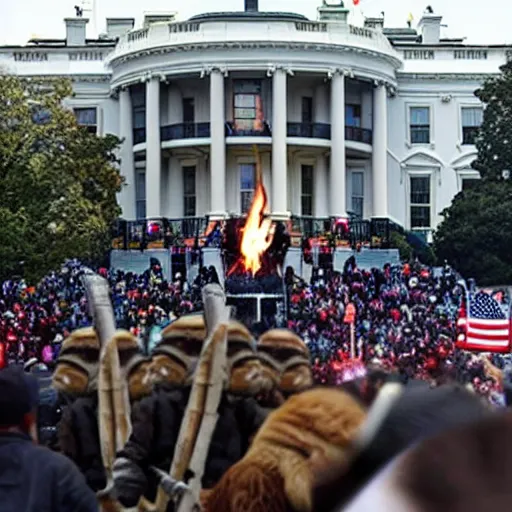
x=251, y=6
x=333, y=10
x=75, y=31
x=377, y=23
x=430, y=27
x=158, y=17
x=116, y=27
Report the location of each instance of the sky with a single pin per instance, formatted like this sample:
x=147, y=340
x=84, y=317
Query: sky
x=480, y=22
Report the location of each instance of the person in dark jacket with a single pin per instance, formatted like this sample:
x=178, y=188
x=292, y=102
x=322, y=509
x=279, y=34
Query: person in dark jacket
x=32, y=477
x=156, y=420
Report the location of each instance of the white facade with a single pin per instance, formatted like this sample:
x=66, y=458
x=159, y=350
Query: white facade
x=368, y=120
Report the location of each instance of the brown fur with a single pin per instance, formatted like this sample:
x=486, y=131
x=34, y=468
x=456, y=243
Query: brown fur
x=282, y=339
x=278, y=347
x=174, y=358
x=308, y=433
x=77, y=366
x=296, y=379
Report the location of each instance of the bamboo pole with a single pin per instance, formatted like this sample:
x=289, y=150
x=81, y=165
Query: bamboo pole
x=100, y=306
x=201, y=414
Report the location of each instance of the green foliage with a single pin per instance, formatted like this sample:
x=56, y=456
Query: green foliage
x=58, y=182
x=494, y=143
x=476, y=233
x=398, y=241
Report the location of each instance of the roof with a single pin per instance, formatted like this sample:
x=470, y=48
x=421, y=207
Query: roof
x=249, y=15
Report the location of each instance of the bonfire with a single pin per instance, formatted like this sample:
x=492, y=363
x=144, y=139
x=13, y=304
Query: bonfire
x=258, y=232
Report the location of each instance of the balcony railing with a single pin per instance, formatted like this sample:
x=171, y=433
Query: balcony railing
x=309, y=130
x=233, y=131
x=185, y=131
x=167, y=233
x=356, y=134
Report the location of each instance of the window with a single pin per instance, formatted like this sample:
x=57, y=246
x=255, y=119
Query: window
x=471, y=118
x=248, y=106
x=189, y=191
x=188, y=110
x=139, y=107
x=140, y=193
x=307, y=110
x=420, y=125
x=353, y=115
x=306, y=197
x=419, y=201
x=247, y=185
x=468, y=183
x=358, y=193
x=87, y=117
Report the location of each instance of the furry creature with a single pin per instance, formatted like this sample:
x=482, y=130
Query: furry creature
x=286, y=362
x=76, y=372
x=244, y=367
x=175, y=357
x=134, y=366
x=311, y=431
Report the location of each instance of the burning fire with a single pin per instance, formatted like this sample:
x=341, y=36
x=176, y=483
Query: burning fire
x=258, y=230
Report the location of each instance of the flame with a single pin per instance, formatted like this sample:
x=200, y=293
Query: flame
x=258, y=230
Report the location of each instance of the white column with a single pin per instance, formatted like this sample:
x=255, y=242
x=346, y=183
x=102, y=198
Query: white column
x=337, y=182
x=153, y=149
x=174, y=105
x=127, y=195
x=279, y=149
x=175, y=188
x=379, y=154
x=218, y=145
x=321, y=190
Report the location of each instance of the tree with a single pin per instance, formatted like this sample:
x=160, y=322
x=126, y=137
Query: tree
x=476, y=233
x=58, y=182
x=494, y=142
x=475, y=236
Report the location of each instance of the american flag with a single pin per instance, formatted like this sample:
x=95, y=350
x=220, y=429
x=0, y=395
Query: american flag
x=487, y=327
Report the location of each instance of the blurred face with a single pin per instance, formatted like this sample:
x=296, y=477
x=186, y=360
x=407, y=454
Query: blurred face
x=247, y=378
x=165, y=369
x=296, y=379
x=139, y=382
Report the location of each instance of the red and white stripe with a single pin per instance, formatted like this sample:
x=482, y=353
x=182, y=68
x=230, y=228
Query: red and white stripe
x=488, y=335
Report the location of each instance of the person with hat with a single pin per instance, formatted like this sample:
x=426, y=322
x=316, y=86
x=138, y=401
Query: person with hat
x=156, y=420
x=33, y=478
x=286, y=366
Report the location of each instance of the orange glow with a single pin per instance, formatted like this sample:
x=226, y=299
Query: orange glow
x=258, y=231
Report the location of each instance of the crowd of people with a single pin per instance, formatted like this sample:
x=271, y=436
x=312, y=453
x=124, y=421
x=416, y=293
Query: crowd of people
x=405, y=318
x=358, y=341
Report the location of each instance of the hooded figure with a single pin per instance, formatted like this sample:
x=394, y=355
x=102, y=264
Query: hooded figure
x=286, y=365
x=79, y=436
x=156, y=419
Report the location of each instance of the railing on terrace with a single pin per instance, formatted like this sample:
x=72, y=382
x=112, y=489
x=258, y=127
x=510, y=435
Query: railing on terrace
x=309, y=130
x=185, y=131
x=167, y=233
x=205, y=32
x=157, y=233
x=231, y=130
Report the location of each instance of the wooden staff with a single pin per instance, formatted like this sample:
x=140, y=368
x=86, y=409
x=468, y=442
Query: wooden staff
x=201, y=414
x=110, y=383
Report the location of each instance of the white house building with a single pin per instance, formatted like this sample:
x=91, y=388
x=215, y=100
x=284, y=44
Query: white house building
x=373, y=121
